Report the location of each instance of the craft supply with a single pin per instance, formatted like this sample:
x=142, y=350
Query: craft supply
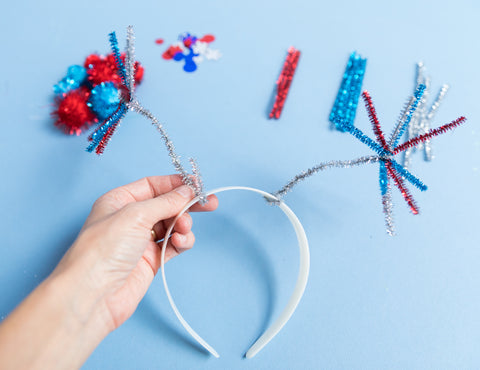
x=385, y=151
x=99, y=139
x=104, y=99
x=127, y=73
x=389, y=167
x=345, y=106
x=73, y=114
x=304, y=267
x=75, y=77
x=90, y=94
x=423, y=116
x=192, y=51
x=284, y=81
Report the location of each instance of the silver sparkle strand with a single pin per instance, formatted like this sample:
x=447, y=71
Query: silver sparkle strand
x=437, y=102
x=186, y=178
x=418, y=119
x=401, y=120
x=417, y=124
x=420, y=123
x=198, y=180
x=430, y=115
x=323, y=166
x=420, y=73
x=194, y=182
x=388, y=210
x=130, y=62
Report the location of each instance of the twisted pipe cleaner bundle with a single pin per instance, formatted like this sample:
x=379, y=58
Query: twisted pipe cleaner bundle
x=389, y=168
x=102, y=135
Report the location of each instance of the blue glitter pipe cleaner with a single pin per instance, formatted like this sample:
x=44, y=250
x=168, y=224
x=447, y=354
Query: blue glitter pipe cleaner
x=383, y=155
x=383, y=179
x=101, y=136
x=116, y=54
x=345, y=106
x=398, y=133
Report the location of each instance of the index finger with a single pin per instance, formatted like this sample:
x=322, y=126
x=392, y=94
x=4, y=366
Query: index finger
x=154, y=186
x=149, y=187
x=141, y=190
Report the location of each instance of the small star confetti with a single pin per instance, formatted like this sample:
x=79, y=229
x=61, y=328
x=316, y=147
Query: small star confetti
x=192, y=51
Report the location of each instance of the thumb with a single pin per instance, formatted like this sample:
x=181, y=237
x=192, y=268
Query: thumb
x=149, y=212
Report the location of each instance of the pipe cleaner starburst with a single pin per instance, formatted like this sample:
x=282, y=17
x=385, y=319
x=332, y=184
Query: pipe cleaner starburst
x=102, y=135
x=390, y=169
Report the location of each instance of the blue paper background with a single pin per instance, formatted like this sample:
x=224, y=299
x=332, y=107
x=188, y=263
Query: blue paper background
x=372, y=301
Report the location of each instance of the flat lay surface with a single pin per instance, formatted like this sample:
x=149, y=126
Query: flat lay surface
x=372, y=300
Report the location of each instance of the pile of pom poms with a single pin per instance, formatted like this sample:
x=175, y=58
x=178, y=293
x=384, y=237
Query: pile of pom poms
x=89, y=94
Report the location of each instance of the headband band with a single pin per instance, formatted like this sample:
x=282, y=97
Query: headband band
x=304, y=267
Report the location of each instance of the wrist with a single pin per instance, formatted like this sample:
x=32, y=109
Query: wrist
x=78, y=322
x=82, y=304
x=57, y=326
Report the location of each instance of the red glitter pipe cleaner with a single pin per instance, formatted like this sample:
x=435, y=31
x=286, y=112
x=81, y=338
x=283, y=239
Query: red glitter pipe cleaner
x=372, y=114
x=434, y=132
x=401, y=186
x=284, y=81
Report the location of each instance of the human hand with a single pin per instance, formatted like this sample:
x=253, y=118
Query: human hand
x=103, y=276
x=115, y=254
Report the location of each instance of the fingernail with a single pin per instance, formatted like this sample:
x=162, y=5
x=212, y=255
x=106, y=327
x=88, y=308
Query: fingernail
x=184, y=191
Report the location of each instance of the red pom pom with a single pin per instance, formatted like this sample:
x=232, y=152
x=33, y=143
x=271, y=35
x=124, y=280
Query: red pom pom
x=73, y=113
x=104, y=69
x=139, y=70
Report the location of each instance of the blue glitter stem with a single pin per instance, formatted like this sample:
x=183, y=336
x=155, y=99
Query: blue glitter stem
x=345, y=106
x=383, y=178
x=101, y=131
x=408, y=175
x=361, y=136
x=118, y=60
x=418, y=95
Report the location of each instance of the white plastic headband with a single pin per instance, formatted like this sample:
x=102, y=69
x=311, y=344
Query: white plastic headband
x=287, y=312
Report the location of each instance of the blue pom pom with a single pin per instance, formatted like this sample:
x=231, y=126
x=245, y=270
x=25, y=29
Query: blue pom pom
x=76, y=75
x=104, y=100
